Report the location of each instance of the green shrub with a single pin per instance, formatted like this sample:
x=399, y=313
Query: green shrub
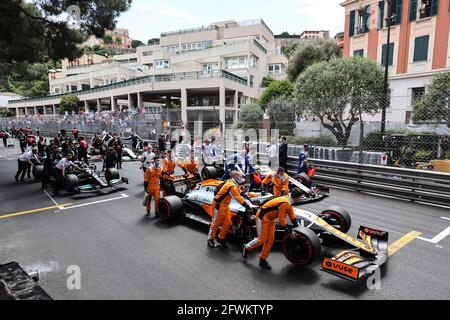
x=322, y=140
x=422, y=156
x=447, y=155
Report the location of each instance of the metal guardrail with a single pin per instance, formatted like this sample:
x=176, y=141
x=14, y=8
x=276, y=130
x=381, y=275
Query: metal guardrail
x=407, y=184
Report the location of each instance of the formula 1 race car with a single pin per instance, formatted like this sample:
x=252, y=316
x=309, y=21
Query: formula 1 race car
x=87, y=178
x=311, y=192
x=368, y=250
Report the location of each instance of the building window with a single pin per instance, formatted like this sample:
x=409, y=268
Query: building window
x=277, y=68
x=209, y=68
x=390, y=56
x=421, y=48
x=417, y=93
x=236, y=63
x=254, y=61
x=162, y=64
x=358, y=53
x=363, y=16
x=147, y=53
x=424, y=9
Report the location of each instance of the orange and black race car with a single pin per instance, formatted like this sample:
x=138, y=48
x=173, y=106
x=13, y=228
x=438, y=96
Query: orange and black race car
x=356, y=257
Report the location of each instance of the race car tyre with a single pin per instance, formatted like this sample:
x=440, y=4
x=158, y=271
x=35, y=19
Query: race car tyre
x=111, y=174
x=304, y=179
x=209, y=173
x=38, y=172
x=170, y=208
x=337, y=217
x=303, y=249
x=72, y=182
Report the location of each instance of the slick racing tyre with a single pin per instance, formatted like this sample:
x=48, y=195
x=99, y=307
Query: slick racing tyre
x=304, y=179
x=72, y=182
x=209, y=173
x=38, y=172
x=170, y=208
x=303, y=249
x=337, y=217
x=111, y=174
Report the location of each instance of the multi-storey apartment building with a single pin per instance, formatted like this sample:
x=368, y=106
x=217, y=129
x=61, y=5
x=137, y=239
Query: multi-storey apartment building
x=286, y=39
x=207, y=72
x=418, y=48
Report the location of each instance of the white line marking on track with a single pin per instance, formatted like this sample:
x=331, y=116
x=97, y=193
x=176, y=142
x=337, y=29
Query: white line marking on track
x=437, y=238
x=53, y=200
x=122, y=196
x=445, y=218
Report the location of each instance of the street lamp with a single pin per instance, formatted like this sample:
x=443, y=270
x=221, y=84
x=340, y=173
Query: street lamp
x=386, y=67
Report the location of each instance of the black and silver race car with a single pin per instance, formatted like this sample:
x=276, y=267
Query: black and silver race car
x=85, y=178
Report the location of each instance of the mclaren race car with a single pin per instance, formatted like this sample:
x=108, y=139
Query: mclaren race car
x=311, y=192
x=354, y=260
x=86, y=178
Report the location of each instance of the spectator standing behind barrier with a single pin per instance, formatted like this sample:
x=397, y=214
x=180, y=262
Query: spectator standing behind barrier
x=282, y=152
x=272, y=154
x=161, y=144
x=75, y=133
x=303, y=160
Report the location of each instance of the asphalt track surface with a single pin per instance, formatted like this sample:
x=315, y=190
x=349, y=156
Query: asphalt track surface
x=123, y=255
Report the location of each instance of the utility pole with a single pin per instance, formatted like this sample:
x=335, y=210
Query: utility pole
x=386, y=68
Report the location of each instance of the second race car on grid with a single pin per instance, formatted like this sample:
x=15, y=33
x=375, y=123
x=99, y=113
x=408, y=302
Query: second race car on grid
x=355, y=258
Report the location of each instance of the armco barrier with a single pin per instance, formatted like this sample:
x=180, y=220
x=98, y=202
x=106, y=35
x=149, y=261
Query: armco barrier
x=414, y=185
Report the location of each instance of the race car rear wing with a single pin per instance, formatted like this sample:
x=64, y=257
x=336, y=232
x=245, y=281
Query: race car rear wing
x=357, y=263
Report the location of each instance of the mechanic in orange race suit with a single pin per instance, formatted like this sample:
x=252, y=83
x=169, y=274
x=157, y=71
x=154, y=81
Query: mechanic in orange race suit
x=266, y=222
x=221, y=208
x=152, y=177
x=280, y=181
x=190, y=164
x=169, y=163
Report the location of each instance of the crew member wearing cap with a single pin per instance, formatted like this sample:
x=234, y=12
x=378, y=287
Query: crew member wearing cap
x=152, y=178
x=221, y=208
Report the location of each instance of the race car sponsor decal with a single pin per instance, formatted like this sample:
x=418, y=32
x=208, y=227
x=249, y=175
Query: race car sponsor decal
x=341, y=268
x=322, y=223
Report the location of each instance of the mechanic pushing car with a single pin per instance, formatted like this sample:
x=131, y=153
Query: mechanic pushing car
x=280, y=181
x=152, y=177
x=221, y=206
x=277, y=208
x=168, y=170
x=60, y=172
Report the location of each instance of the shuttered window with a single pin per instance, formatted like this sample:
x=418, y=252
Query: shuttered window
x=391, y=54
x=421, y=48
x=352, y=24
x=413, y=11
x=358, y=53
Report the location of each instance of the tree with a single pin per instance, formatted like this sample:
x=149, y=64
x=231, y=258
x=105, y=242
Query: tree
x=108, y=39
x=282, y=112
x=434, y=106
x=118, y=40
x=339, y=92
x=250, y=117
x=309, y=52
x=277, y=88
x=69, y=103
x=153, y=41
x=266, y=81
x=34, y=31
x=136, y=43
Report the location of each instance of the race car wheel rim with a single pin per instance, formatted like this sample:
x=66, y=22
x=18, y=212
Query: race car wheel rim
x=336, y=220
x=298, y=251
x=164, y=210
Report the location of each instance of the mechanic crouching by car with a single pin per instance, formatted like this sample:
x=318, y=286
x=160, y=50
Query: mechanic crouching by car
x=221, y=204
x=190, y=164
x=152, y=184
x=280, y=181
x=60, y=172
x=267, y=215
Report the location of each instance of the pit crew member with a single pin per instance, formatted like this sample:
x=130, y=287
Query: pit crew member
x=266, y=221
x=152, y=177
x=280, y=181
x=221, y=206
